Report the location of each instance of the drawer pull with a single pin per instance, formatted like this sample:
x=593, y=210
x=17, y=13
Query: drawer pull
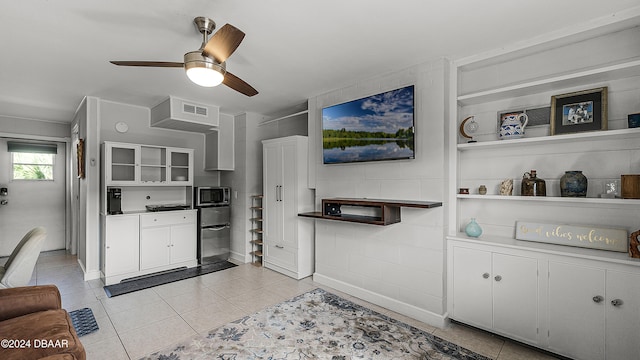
x=280, y=246
x=485, y=275
x=597, y=299
x=498, y=277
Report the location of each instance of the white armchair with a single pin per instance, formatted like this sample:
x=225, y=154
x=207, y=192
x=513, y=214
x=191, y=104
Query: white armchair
x=19, y=267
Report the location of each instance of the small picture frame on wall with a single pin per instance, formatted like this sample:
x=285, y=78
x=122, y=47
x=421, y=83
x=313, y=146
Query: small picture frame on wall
x=579, y=111
x=80, y=155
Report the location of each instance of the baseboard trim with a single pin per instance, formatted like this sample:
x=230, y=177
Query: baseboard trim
x=412, y=311
x=239, y=258
x=89, y=275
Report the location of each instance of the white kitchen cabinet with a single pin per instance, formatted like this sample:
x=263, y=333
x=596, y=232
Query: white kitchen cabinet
x=288, y=240
x=496, y=291
x=120, y=247
x=219, y=145
x=597, y=304
x=143, y=243
x=576, y=310
x=622, y=315
x=180, y=166
x=168, y=239
x=583, y=304
x=146, y=165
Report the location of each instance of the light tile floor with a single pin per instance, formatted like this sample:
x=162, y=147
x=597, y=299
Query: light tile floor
x=137, y=324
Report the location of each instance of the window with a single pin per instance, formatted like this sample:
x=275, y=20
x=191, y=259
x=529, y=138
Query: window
x=32, y=161
x=32, y=166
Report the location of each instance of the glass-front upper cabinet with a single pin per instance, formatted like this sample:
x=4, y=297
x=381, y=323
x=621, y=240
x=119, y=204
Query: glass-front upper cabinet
x=146, y=165
x=121, y=163
x=153, y=164
x=180, y=165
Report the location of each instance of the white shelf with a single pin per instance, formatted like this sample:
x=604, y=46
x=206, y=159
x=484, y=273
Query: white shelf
x=576, y=200
x=628, y=68
x=591, y=135
x=571, y=251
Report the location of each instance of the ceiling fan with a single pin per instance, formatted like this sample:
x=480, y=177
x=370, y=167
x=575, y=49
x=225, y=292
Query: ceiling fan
x=206, y=66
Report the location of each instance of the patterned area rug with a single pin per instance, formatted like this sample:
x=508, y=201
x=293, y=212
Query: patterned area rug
x=316, y=325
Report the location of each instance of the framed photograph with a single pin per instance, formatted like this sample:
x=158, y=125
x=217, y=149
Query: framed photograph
x=80, y=155
x=579, y=111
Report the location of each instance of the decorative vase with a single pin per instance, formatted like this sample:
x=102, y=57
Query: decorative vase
x=532, y=185
x=573, y=184
x=473, y=229
x=482, y=190
x=512, y=125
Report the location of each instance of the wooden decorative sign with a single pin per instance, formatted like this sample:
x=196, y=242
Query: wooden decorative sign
x=574, y=235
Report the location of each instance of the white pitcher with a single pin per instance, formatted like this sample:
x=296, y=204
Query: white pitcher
x=512, y=125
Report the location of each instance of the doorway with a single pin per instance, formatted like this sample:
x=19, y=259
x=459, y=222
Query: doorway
x=32, y=200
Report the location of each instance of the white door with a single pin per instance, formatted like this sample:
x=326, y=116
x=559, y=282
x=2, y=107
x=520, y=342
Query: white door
x=183, y=244
x=622, y=315
x=288, y=195
x=515, y=296
x=155, y=244
x=272, y=175
x=576, y=310
x=122, y=249
x=472, y=286
x=32, y=203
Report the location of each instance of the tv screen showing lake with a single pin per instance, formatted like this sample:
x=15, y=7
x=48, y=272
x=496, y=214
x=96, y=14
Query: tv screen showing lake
x=378, y=127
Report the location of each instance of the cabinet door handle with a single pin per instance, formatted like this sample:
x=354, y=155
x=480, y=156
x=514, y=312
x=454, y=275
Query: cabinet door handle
x=616, y=302
x=597, y=299
x=498, y=278
x=280, y=246
x=485, y=275
x=280, y=192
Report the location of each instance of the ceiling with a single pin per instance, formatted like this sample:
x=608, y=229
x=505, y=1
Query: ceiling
x=53, y=53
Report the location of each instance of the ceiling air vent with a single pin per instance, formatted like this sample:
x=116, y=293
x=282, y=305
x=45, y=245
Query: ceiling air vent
x=194, y=109
x=180, y=114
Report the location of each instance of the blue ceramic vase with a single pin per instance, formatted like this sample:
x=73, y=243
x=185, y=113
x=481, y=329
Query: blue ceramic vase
x=473, y=229
x=573, y=184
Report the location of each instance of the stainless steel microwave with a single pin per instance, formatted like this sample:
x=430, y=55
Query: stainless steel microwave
x=212, y=196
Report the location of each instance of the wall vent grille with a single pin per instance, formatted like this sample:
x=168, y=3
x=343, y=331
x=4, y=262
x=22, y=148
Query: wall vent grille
x=194, y=109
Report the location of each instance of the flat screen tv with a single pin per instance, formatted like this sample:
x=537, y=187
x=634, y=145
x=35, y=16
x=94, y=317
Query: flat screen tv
x=375, y=128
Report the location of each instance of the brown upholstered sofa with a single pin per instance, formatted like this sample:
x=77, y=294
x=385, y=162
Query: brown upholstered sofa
x=33, y=325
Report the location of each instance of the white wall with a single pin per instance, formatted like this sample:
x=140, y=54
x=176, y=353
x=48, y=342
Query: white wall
x=86, y=120
x=400, y=266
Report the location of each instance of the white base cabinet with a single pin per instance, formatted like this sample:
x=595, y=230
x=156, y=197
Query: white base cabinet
x=496, y=291
x=143, y=243
x=167, y=239
x=120, y=250
x=579, y=303
x=597, y=304
x=288, y=240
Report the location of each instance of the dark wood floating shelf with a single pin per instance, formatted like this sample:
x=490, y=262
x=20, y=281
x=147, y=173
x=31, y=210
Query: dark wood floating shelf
x=388, y=210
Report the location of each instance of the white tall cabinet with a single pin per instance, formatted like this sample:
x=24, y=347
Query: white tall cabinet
x=288, y=242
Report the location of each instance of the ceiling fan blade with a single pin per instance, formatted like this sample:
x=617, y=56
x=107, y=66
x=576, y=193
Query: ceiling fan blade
x=239, y=85
x=223, y=43
x=148, y=63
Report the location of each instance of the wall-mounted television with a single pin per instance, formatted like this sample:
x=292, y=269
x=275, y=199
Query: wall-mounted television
x=375, y=128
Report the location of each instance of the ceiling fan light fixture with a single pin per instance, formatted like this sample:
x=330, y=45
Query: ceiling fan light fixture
x=202, y=70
